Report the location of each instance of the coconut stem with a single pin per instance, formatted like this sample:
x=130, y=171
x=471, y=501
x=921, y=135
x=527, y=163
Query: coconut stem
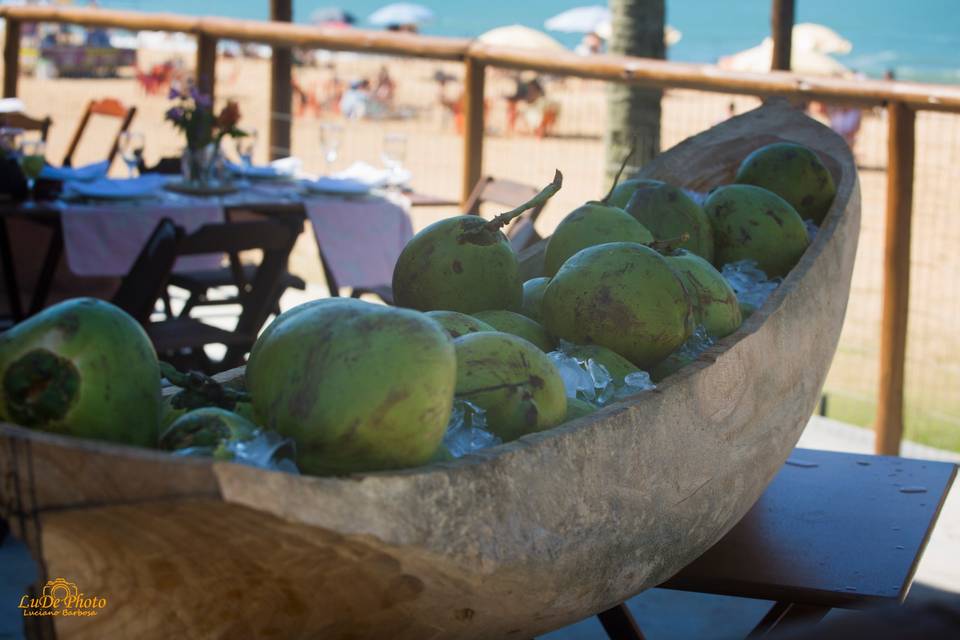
x=538, y=200
x=623, y=165
x=200, y=390
x=663, y=246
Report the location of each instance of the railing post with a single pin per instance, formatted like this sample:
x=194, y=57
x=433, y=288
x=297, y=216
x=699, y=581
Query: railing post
x=896, y=277
x=473, y=98
x=206, y=64
x=781, y=30
x=11, y=58
x=281, y=85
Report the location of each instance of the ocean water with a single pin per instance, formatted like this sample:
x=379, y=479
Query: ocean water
x=917, y=39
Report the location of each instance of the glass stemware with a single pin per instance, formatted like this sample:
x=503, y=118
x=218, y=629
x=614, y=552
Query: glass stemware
x=394, y=154
x=32, y=161
x=330, y=134
x=246, y=145
x=131, y=149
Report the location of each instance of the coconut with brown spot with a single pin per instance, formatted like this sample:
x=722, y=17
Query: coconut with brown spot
x=715, y=304
x=668, y=212
x=464, y=263
x=518, y=325
x=512, y=380
x=358, y=386
x=793, y=172
x=458, y=324
x=751, y=223
x=623, y=296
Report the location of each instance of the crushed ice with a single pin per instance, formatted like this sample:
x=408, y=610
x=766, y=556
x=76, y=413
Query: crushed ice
x=749, y=282
x=467, y=430
x=590, y=381
x=264, y=450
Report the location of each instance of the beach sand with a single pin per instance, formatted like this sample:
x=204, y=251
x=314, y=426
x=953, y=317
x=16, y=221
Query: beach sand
x=434, y=156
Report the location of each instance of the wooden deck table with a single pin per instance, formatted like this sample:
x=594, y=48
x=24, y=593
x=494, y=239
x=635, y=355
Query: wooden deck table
x=833, y=530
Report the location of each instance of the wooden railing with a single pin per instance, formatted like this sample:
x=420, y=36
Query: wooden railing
x=902, y=100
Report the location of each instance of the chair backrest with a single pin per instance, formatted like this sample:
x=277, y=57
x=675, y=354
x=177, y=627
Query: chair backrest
x=25, y=122
x=109, y=107
x=508, y=194
x=146, y=280
x=275, y=237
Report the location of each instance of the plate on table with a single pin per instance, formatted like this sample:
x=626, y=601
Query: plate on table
x=338, y=186
x=188, y=189
x=107, y=189
x=283, y=169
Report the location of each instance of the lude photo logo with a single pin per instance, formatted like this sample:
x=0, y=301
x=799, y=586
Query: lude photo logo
x=61, y=598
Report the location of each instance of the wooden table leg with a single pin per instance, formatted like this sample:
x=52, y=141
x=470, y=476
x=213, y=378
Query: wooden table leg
x=10, y=274
x=619, y=623
x=788, y=613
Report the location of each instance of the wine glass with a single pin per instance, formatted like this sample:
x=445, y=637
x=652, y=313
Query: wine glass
x=393, y=155
x=131, y=149
x=32, y=161
x=246, y=145
x=330, y=134
x=10, y=138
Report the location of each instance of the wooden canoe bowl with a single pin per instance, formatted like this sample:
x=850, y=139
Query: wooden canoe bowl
x=510, y=542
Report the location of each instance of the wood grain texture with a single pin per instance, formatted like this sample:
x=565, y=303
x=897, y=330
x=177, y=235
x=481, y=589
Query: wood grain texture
x=901, y=150
x=514, y=540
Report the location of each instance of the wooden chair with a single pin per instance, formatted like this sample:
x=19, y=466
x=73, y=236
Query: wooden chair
x=180, y=340
x=25, y=122
x=109, y=107
x=506, y=193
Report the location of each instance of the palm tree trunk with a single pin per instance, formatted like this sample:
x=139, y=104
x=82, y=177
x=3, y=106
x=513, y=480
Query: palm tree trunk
x=633, y=113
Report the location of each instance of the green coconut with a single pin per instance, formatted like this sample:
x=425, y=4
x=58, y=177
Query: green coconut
x=622, y=192
x=577, y=408
x=670, y=365
x=623, y=296
x=83, y=368
x=458, y=324
x=518, y=325
x=588, y=225
x=616, y=365
x=532, y=297
x=715, y=304
x=358, y=386
x=207, y=427
x=793, y=172
x=512, y=380
x=464, y=263
x=668, y=212
x=751, y=223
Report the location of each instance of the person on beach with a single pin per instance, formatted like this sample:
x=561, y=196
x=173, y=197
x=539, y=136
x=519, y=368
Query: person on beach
x=591, y=44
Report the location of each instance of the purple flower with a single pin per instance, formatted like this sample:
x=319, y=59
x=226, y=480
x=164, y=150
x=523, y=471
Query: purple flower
x=175, y=114
x=174, y=94
x=200, y=99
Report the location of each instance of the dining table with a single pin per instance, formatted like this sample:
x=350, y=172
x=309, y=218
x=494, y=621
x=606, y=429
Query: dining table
x=359, y=236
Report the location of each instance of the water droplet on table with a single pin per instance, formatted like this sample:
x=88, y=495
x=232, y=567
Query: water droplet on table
x=803, y=464
x=863, y=463
x=913, y=489
x=850, y=588
x=900, y=547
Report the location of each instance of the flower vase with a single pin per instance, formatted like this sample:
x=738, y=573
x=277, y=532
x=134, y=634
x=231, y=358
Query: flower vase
x=199, y=167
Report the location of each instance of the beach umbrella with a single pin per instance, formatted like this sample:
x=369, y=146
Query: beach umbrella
x=809, y=36
x=400, y=13
x=597, y=19
x=517, y=35
x=331, y=15
x=759, y=58
x=579, y=20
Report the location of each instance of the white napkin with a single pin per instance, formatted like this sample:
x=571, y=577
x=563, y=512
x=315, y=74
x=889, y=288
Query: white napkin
x=281, y=168
x=372, y=176
x=83, y=174
x=12, y=105
x=107, y=189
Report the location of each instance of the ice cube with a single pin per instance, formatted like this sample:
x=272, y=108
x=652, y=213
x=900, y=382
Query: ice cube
x=467, y=430
x=812, y=229
x=749, y=282
x=265, y=450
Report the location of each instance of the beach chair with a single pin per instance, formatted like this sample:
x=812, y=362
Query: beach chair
x=108, y=107
x=181, y=340
x=25, y=122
